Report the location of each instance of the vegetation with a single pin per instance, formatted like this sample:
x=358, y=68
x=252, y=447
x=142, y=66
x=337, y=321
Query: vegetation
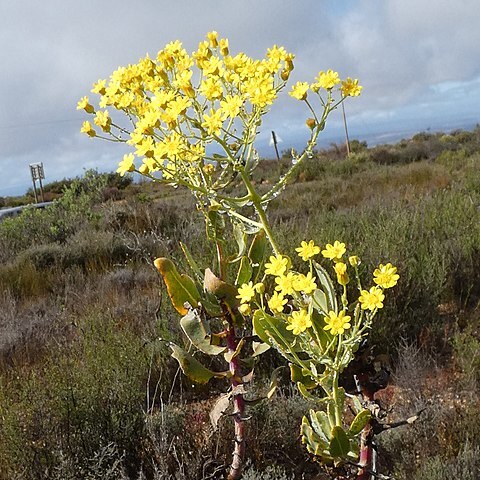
x=88, y=391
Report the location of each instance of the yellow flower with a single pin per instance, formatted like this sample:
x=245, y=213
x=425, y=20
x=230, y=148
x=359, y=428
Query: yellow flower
x=126, y=165
x=211, y=88
x=246, y=292
x=213, y=38
x=370, y=300
x=304, y=283
x=335, y=251
x=337, y=324
x=99, y=87
x=260, y=90
x=285, y=283
x=223, y=45
x=386, y=276
x=278, y=265
x=103, y=120
x=299, y=322
x=231, y=106
x=83, y=104
x=276, y=302
x=299, y=90
x=350, y=88
x=341, y=271
x=326, y=80
x=213, y=123
x=88, y=129
x=307, y=250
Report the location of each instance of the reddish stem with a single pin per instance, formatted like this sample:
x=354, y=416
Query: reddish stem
x=238, y=410
x=366, y=441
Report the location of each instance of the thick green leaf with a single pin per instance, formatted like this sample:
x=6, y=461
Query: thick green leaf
x=215, y=223
x=305, y=393
x=269, y=328
x=191, y=367
x=257, y=252
x=241, y=239
x=297, y=375
x=315, y=444
x=327, y=285
x=199, y=334
x=192, y=263
x=180, y=287
x=244, y=272
x=360, y=421
x=320, y=301
x=339, y=443
x=321, y=425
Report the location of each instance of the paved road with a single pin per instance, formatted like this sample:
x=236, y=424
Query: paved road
x=13, y=212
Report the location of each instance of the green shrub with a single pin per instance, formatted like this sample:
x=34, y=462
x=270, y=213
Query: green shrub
x=88, y=398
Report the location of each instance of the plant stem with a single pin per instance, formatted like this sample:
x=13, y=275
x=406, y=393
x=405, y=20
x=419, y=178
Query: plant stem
x=366, y=460
x=256, y=200
x=236, y=466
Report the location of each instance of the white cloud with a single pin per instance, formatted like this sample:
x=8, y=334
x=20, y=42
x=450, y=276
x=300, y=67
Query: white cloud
x=403, y=51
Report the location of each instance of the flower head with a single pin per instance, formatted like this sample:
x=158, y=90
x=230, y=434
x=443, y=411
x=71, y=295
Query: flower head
x=246, y=292
x=278, y=265
x=337, y=324
x=335, y=251
x=326, y=80
x=304, y=283
x=351, y=88
x=307, y=250
x=285, y=283
x=276, y=302
x=126, y=165
x=83, y=104
x=299, y=321
x=88, y=129
x=370, y=300
x=299, y=90
x=386, y=276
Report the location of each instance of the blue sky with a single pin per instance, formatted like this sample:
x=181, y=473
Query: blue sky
x=417, y=60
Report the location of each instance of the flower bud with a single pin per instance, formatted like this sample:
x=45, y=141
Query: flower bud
x=311, y=123
x=285, y=74
x=354, y=261
x=143, y=169
x=245, y=309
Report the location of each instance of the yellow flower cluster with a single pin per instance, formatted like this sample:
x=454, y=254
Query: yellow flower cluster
x=296, y=290
x=171, y=118
x=326, y=81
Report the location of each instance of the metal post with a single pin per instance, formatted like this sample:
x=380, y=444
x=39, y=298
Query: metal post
x=274, y=138
x=347, y=140
x=36, y=170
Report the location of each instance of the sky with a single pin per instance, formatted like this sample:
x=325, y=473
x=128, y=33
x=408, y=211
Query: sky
x=418, y=61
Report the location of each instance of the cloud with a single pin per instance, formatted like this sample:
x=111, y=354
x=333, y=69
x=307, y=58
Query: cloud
x=410, y=55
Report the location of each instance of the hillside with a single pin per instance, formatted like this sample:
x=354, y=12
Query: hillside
x=88, y=391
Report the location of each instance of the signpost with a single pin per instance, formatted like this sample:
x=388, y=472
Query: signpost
x=36, y=169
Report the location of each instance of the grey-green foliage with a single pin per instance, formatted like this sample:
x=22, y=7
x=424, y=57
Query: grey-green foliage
x=465, y=466
x=466, y=348
x=56, y=223
x=270, y=473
